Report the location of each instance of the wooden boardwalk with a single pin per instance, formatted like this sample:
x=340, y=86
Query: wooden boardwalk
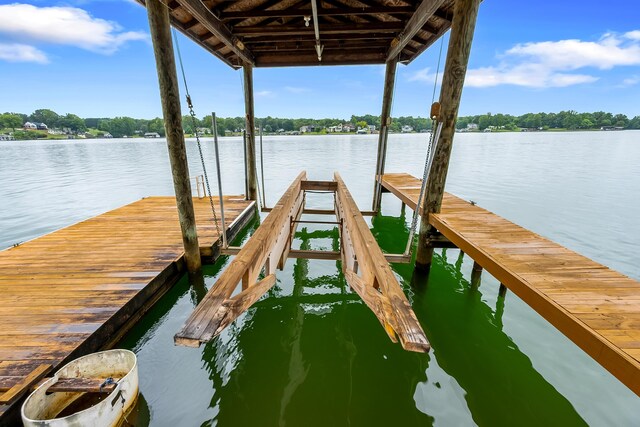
x=594, y=306
x=78, y=289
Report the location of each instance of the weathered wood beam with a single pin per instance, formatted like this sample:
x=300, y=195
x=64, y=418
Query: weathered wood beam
x=263, y=248
x=160, y=30
x=296, y=47
x=211, y=22
x=250, y=140
x=311, y=37
x=417, y=21
x=22, y=386
x=385, y=122
x=462, y=29
x=389, y=304
x=275, y=30
x=328, y=58
x=335, y=11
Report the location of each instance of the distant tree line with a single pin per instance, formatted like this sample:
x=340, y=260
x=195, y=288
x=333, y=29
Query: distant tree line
x=121, y=126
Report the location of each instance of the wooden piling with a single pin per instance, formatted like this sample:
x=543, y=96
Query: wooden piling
x=160, y=30
x=476, y=275
x=385, y=121
x=462, y=28
x=250, y=140
x=502, y=292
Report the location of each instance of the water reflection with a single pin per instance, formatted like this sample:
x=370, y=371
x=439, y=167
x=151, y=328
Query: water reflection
x=311, y=353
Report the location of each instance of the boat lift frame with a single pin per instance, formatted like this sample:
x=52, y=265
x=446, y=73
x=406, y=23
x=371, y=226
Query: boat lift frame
x=364, y=265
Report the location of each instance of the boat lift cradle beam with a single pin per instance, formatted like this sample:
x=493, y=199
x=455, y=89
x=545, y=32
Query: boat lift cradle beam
x=270, y=247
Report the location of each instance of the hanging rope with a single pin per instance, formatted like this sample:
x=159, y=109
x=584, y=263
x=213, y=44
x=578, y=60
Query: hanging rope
x=194, y=124
x=436, y=128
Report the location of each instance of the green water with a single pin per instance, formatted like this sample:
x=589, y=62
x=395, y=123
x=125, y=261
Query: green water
x=310, y=353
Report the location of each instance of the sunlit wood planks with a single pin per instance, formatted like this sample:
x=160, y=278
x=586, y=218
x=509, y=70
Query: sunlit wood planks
x=596, y=307
x=264, y=249
x=77, y=289
x=376, y=284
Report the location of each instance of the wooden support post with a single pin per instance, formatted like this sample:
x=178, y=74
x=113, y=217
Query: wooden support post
x=476, y=275
x=160, y=30
x=462, y=28
x=250, y=141
x=502, y=291
x=385, y=121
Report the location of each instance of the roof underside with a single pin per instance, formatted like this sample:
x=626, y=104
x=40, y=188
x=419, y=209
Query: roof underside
x=273, y=33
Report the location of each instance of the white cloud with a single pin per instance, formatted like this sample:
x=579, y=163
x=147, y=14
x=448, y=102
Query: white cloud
x=631, y=81
x=64, y=25
x=16, y=52
x=297, y=90
x=263, y=93
x=552, y=63
x=610, y=51
x=425, y=75
x=633, y=35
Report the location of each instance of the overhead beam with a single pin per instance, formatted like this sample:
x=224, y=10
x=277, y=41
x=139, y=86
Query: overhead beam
x=462, y=29
x=342, y=11
x=325, y=37
x=417, y=21
x=328, y=58
x=271, y=30
x=211, y=22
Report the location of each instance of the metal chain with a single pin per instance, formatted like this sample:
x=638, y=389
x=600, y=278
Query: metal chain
x=197, y=135
x=416, y=212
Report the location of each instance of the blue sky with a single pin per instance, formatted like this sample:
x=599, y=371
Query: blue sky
x=93, y=58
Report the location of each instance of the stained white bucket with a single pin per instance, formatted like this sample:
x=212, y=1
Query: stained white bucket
x=42, y=409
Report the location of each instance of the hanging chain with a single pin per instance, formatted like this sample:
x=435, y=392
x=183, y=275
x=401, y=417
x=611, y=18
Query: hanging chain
x=194, y=124
x=427, y=163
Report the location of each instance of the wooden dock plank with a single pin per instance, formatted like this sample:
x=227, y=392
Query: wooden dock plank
x=71, y=291
x=596, y=307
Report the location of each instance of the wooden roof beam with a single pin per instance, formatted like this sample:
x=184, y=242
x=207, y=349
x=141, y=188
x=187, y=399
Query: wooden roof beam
x=335, y=11
x=211, y=22
x=332, y=57
x=311, y=37
x=273, y=30
x=417, y=21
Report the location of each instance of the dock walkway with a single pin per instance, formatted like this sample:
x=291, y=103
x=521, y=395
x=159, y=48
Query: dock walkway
x=594, y=306
x=78, y=289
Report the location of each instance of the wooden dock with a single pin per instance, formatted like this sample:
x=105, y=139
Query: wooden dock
x=594, y=306
x=79, y=289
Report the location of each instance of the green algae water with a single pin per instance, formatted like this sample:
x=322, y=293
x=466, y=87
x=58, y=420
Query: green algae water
x=310, y=353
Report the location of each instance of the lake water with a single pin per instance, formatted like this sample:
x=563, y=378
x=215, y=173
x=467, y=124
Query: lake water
x=310, y=353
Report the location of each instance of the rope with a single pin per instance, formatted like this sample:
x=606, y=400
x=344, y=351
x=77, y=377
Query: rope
x=194, y=124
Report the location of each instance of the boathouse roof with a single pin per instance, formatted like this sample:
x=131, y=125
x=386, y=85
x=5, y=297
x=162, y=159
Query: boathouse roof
x=275, y=33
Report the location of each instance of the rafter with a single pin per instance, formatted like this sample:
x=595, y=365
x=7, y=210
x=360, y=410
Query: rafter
x=211, y=22
x=417, y=21
x=335, y=11
x=259, y=30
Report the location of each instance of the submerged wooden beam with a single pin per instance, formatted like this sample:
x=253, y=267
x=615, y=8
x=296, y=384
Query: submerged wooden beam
x=464, y=22
x=420, y=17
x=160, y=30
x=389, y=303
x=264, y=249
